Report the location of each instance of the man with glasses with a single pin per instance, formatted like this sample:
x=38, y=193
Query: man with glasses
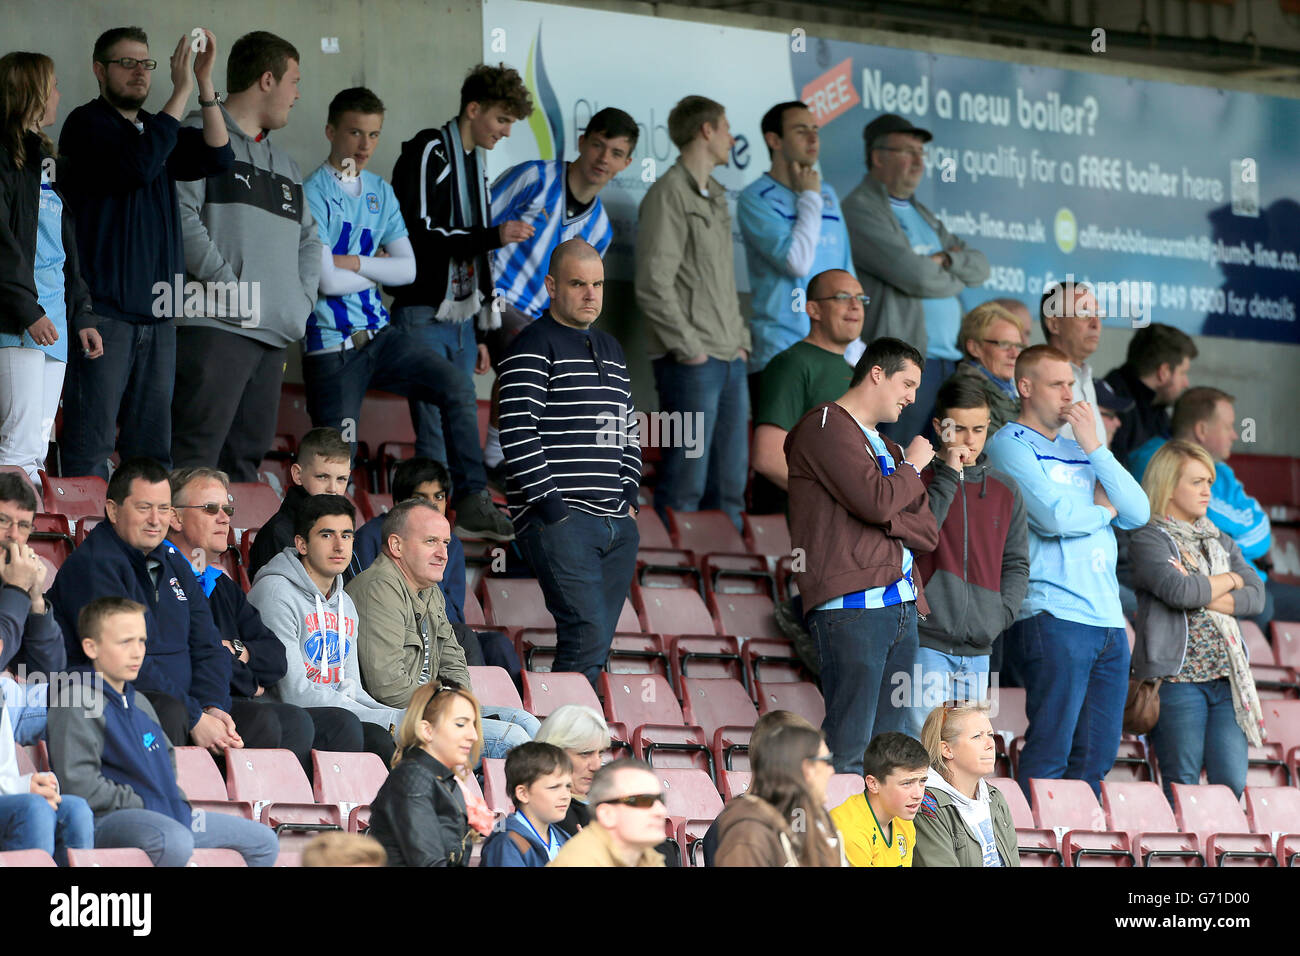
x=202, y=508
x=1072, y=323
x=121, y=167
x=186, y=671
x=909, y=264
x=627, y=804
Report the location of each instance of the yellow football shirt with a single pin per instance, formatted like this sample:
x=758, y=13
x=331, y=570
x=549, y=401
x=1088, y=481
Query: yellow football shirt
x=865, y=842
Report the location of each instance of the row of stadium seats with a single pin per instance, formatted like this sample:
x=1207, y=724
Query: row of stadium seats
x=136, y=858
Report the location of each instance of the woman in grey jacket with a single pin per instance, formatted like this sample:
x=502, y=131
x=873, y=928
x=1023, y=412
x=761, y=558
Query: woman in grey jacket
x=1192, y=585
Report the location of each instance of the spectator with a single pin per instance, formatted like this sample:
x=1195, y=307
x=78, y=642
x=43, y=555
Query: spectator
x=300, y=598
x=1069, y=641
x=419, y=815
x=780, y=820
x=695, y=335
x=441, y=181
x=1072, y=324
x=793, y=231
x=537, y=779
x=42, y=295
x=1113, y=408
x=200, y=527
x=808, y=373
x=1206, y=416
x=975, y=580
x=404, y=639
x=186, y=671
x=344, y=849
x=860, y=596
x=29, y=629
x=122, y=165
x=629, y=816
x=247, y=232
x=324, y=467
x=962, y=820
x=894, y=768
x=1020, y=312
x=1152, y=377
x=990, y=340
x=574, y=461
x=582, y=734
x=34, y=815
x=560, y=201
x=1193, y=584
x=910, y=265
x=106, y=746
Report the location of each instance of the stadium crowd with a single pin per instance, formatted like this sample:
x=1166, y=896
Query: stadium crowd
x=964, y=504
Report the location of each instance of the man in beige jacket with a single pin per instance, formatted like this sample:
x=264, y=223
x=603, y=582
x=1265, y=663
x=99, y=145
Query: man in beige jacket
x=629, y=815
x=404, y=639
x=695, y=334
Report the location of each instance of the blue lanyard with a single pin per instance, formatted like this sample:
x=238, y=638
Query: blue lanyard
x=547, y=842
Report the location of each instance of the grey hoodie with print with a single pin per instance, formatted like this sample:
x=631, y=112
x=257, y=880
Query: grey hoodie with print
x=319, y=634
x=248, y=235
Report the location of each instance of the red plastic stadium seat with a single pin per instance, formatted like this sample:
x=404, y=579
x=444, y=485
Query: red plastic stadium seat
x=1131, y=762
x=21, y=473
x=536, y=648
x=200, y=780
x=1008, y=710
x=52, y=552
x=665, y=746
x=737, y=574
x=1276, y=810
x=744, y=615
x=704, y=532
x=1274, y=682
x=1070, y=804
x=1282, y=721
x=127, y=856
x=492, y=685
x=675, y=611
x=802, y=698
x=710, y=703
x=74, y=497
x=347, y=778
x=385, y=417
x=371, y=504
x=731, y=747
x=1214, y=815
x=1270, y=478
x=637, y=654
x=292, y=418
x=1140, y=809
x=229, y=563
x=652, y=530
x=274, y=472
x=689, y=794
x=772, y=661
x=734, y=783
x=545, y=692
x=515, y=603
x=841, y=786
x=1266, y=766
x=1257, y=645
x=1285, y=555
x=25, y=858
x=704, y=655
x=281, y=795
x=494, y=786
x=216, y=858
x=640, y=699
x=1037, y=847
x=1286, y=642
x=768, y=535
x=84, y=527
x=255, y=504
x=473, y=610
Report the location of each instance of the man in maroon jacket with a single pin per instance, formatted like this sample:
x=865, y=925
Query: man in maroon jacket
x=858, y=512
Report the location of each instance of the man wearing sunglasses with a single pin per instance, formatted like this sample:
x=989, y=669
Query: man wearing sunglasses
x=911, y=266
x=628, y=807
x=122, y=166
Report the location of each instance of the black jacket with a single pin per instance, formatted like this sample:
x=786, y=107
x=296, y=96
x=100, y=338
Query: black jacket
x=419, y=814
x=1144, y=421
x=20, y=206
x=236, y=618
x=276, y=534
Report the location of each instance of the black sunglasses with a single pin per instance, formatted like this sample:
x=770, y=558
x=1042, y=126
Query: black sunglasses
x=641, y=801
x=211, y=508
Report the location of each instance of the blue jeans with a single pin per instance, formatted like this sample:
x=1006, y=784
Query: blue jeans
x=28, y=822
x=28, y=707
x=453, y=341
x=915, y=418
x=712, y=401
x=505, y=728
x=130, y=383
x=168, y=843
x=397, y=361
x=1197, y=728
x=938, y=677
x=862, y=651
x=584, y=565
x=1076, y=681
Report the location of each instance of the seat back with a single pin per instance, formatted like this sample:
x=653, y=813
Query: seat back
x=266, y=776
x=492, y=685
x=705, y=655
x=495, y=791
x=1282, y=721
x=346, y=777
x=841, y=786
x=1007, y=710
x=734, y=783
x=676, y=611
x=216, y=858
x=1022, y=817
x=1273, y=809
x=197, y=774
x=473, y=610
x=1261, y=651
x=1286, y=642
x=652, y=530
x=1066, y=803
x=25, y=858
x=704, y=532
x=76, y=498
x=515, y=602
x=638, y=699
x=543, y=693
x=802, y=698
x=768, y=535
x=689, y=793
x=126, y=856
x=745, y=615
x=1208, y=808
x=713, y=702
x=255, y=504
x=1136, y=807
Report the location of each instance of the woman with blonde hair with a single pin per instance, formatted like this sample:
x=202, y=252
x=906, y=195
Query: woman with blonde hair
x=420, y=815
x=42, y=294
x=990, y=339
x=1192, y=585
x=962, y=821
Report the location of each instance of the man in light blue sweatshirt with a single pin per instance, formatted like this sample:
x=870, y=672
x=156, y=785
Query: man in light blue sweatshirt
x=1070, y=638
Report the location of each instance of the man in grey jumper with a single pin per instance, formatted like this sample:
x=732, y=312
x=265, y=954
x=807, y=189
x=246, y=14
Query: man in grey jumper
x=248, y=232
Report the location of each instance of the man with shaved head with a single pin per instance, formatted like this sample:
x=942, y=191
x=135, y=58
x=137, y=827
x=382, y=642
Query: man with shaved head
x=573, y=459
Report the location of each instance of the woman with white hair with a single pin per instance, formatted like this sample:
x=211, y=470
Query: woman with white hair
x=581, y=732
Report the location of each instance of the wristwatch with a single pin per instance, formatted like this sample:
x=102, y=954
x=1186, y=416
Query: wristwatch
x=238, y=645
x=216, y=98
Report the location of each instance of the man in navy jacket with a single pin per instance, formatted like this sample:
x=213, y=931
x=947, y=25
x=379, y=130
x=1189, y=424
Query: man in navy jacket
x=186, y=671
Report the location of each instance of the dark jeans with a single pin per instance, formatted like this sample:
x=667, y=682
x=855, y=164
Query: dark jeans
x=399, y=362
x=915, y=418
x=172, y=717
x=225, y=408
x=1198, y=728
x=584, y=564
x=130, y=384
x=452, y=342
x=863, y=650
x=378, y=741
x=1076, y=681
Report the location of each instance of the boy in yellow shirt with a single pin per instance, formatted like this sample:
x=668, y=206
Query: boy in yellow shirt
x=877, y=825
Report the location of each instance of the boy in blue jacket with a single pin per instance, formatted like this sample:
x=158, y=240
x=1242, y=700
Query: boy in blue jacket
x=106, y=746
x=537, y=777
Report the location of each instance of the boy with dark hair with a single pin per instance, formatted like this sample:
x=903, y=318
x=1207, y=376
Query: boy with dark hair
x=894, y=770
x=440, y=178
x=249, y=233
x=977, y=576
x=537, y=779
x=120, y=165
x=324, y=467
x=107, y=747
x=1153, y=376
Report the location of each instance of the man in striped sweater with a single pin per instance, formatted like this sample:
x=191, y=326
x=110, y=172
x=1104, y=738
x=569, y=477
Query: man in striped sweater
x=573, y=459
